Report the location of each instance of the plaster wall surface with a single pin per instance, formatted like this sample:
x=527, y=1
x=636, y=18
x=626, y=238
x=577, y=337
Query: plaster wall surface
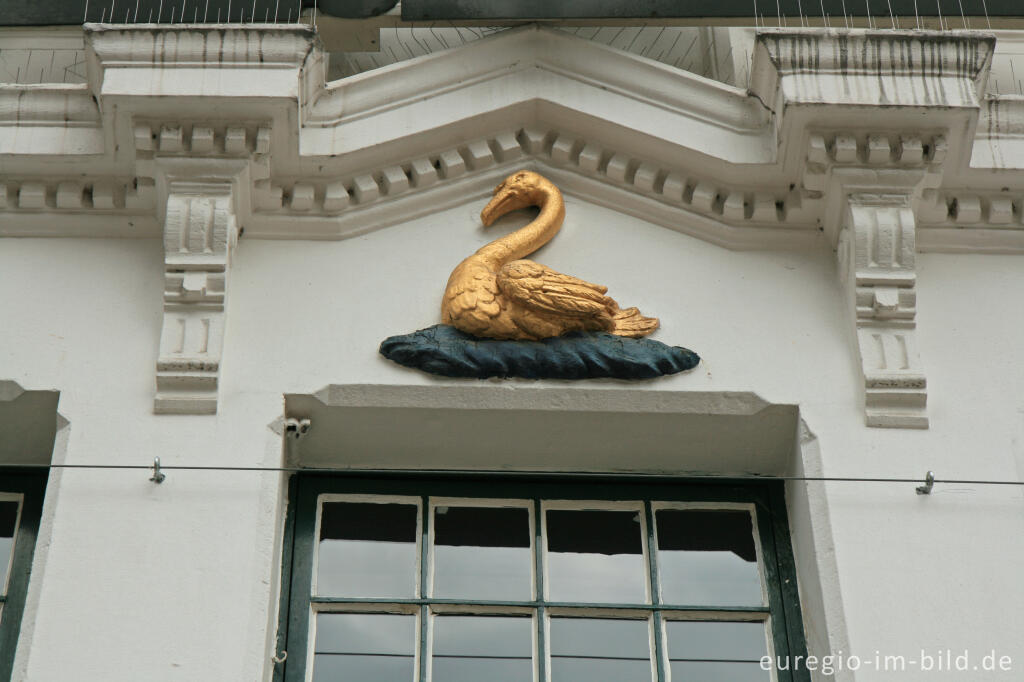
x=178, y=581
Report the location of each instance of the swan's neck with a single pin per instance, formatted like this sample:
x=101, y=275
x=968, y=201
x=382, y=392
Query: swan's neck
x=528, y=239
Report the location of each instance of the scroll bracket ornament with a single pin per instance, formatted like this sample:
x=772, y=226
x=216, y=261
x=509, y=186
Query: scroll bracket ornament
x=876, y=251
x=200, y=231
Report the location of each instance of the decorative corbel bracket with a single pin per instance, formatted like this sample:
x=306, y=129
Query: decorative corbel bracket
x=876, y=252
x=200, y=230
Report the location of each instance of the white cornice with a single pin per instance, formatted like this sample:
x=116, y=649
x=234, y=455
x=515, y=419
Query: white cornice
x=184, y=45
x=49, y=119
x=55, y=104
x=531, y=65
x=330, y=160
x=872, y=68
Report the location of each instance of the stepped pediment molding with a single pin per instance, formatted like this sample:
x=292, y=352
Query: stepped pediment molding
x=741, y=168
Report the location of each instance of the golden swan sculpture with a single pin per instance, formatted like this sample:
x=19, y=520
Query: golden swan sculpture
x=495, y=294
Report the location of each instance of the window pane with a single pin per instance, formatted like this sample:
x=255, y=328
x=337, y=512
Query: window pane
x=707, y=557
x=722, y=643
x=482, y=553
x=8, y=523
x=367, y=550
x=364, y=647
x=600, y=650
x=595, y=556
x=476, y=648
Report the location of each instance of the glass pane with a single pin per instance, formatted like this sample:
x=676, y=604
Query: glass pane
x=476, y=648
x=600, y=650
x=364, y=647
x=482, y=553
x=707, y=557
x=367, y=550
x=595, y=556
x=717, y=647
x=8, y=525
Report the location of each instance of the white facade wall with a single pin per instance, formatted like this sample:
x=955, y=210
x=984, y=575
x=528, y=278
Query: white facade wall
x=179, y=581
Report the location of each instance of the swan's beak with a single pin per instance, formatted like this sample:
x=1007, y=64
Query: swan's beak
x=502, y=203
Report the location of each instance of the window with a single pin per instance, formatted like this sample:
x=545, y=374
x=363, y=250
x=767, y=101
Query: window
x=21, y=501
x=536, y=579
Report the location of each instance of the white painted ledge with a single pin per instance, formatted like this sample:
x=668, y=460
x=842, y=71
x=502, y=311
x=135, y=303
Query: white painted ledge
x=29, y=422
x=502, y=427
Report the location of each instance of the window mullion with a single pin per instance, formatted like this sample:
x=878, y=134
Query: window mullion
x=538, y=554
x=652, y=562
x=425, y=515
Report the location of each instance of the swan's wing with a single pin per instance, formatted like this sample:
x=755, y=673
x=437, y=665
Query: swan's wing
x=541, y=288
x=474, y=303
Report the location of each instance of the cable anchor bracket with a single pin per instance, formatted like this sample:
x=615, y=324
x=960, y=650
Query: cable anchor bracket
x=158, y=475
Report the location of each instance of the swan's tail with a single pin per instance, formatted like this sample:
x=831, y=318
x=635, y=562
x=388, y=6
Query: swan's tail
x=630, y=322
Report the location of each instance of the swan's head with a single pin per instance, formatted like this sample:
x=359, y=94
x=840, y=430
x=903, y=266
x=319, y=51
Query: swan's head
x=519, y=190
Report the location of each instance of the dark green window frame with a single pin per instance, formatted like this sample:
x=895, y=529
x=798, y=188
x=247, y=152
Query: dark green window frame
x=29, y=486
x=766, y=498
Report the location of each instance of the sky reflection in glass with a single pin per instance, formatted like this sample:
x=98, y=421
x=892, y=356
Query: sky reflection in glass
x=600, y=650
x=716, y=640
x=475, y=648
x=595, y=556
x=364, y=647
x=482, y=553
x=367, y=550
x=707, y=557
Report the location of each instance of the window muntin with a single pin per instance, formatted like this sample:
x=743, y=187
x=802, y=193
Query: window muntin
x=445, y=605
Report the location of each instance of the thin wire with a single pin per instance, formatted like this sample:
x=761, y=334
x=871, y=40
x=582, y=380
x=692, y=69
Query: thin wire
x=962, y=15
x=541, y=474
x=528, y=658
